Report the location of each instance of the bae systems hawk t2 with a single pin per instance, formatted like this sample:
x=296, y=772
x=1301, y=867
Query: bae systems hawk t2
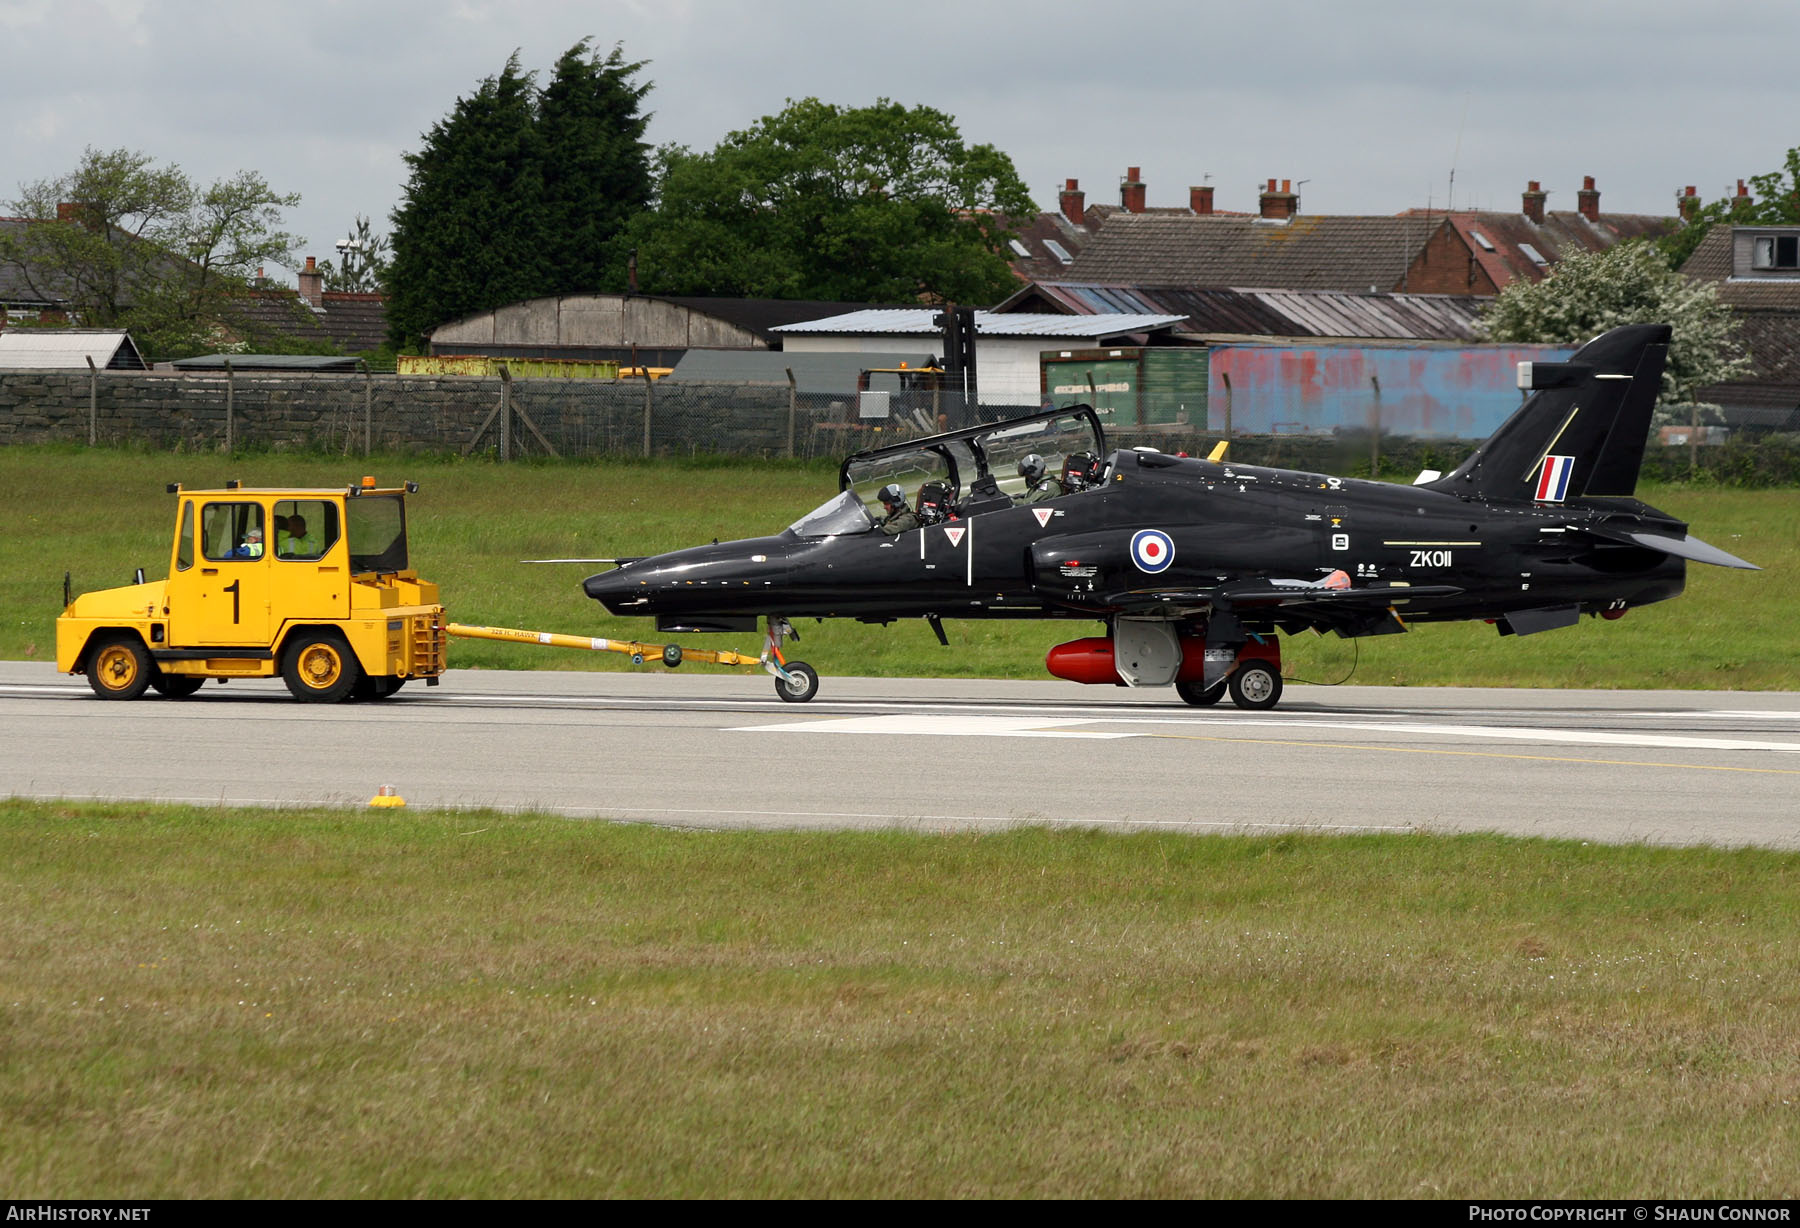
x=1196, y=566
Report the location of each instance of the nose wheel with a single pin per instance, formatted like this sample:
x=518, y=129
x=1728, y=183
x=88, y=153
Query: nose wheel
x=795, y=681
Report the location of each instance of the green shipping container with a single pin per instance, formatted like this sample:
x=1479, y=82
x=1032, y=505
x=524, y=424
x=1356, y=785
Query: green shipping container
x=1132, y=386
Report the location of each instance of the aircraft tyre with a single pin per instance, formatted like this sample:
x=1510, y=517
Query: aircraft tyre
x=1199, y=696
x=118, y=667
x=801, y=684
x=175, y=686
x=320, y=669
x=1255, y=686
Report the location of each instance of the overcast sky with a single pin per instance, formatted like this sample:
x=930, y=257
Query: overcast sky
x=1367, y=104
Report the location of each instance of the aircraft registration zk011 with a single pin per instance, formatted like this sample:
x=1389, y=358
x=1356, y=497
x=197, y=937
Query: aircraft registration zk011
x=1195, y=566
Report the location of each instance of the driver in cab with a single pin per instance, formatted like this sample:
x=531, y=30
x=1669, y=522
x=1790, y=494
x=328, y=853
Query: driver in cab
x=899, y=516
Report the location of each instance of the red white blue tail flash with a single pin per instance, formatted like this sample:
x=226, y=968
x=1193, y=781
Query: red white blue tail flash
x=1553, y=484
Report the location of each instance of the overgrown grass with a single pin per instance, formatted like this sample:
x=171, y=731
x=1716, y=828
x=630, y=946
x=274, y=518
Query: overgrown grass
x=212, y=1003
x=99, y=513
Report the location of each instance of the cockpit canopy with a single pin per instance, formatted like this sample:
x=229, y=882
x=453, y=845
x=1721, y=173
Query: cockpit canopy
x=973, y=469
x=977, y=460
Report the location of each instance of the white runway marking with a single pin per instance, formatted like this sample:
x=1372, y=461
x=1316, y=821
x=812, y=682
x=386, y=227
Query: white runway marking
x=960, y=725
x=954, y=725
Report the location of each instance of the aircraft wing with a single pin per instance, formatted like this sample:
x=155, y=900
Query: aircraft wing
x=1252, y=594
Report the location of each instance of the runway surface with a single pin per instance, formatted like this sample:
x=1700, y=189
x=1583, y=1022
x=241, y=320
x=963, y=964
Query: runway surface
x=717, y=749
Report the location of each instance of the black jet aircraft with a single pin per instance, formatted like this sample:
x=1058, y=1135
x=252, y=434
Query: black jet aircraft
x=1195, y=566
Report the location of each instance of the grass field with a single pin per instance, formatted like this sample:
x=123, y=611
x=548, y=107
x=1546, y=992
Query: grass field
x=99, y=513
x=209, y=1003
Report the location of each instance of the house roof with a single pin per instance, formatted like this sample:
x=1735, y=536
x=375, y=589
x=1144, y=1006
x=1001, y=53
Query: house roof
x=1274, y=313
x=1506, y=240
x=918, y=321
x=1036, y=235
x=1768, y=312
x=354, y=323
x=68, y=349
x=1301, y=253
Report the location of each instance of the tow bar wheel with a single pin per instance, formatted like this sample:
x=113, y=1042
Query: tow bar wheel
x=320, y=669
x=119, y=667
x=800, y=685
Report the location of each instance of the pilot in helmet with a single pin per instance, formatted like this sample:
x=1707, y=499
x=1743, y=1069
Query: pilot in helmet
x=899, y=516
x=1038, y=485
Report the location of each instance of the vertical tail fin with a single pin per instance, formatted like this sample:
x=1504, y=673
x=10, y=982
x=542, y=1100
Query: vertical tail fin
x=1582, y=433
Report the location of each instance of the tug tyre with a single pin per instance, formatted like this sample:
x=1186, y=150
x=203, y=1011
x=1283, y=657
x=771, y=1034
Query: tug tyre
x=801, y=684
x=319, y=668
x=176, y=686
x=375, y=688
x=118, y=667
x=1199, y=696
x=1255, y=686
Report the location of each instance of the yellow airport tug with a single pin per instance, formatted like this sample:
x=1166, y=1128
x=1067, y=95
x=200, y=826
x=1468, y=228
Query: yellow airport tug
x=313, y=585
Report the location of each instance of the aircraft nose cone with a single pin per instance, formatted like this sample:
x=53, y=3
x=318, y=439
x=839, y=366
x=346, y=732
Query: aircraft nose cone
x=724, y=577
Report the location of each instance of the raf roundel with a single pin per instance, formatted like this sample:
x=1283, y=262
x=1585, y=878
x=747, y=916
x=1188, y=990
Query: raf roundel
x=1152, y=550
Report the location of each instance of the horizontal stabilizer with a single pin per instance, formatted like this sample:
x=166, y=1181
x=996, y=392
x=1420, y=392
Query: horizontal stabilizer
x=1683, y=547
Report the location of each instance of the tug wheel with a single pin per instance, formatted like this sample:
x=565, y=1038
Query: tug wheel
x=118, y=667
x=176, y=686
x=1255, y=686
x=319, y=669
x=801, y=684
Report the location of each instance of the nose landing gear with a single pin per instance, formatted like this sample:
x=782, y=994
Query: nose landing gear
x=795, y=681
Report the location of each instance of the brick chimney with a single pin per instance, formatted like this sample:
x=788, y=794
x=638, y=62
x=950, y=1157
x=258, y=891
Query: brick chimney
x=1587, y=201
x=1279, y=204
x=1131, y=191
x=1532, y=203
x=312, y=283
x=1200, y=199
x=1687, y=203
x=1742, y=199
x=1073, y=201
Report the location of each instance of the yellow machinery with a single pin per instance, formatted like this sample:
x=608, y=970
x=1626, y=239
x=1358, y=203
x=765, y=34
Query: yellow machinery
x=311, y=585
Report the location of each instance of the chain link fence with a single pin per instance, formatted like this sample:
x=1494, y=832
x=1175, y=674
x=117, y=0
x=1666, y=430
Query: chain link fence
x=503, y=416
x=352, y=414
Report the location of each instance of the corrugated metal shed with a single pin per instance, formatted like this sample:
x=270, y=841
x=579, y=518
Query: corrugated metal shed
x=66, y=349
x=1276, y=313
x=909, y=321
x=266, y=362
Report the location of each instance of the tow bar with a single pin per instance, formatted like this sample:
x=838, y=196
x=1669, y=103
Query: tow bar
x=795, y=681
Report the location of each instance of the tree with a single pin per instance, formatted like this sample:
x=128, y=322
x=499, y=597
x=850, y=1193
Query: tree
x=1774, y=200
x=363, y=263
x=519, y=193
x=1630, y=283
x=465, y=230
x=877, y=203
x=596, y=168
x=128, y=244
